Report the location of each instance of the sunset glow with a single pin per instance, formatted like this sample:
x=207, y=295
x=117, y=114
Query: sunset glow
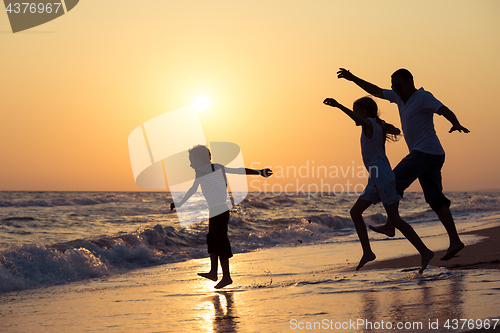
x=73, y=88
x=201, y=103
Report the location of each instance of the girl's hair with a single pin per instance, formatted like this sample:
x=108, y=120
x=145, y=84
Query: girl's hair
x=391, y=132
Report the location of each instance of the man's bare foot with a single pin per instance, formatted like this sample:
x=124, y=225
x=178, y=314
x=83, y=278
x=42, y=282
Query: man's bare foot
x=210, y=276
x=452, y=251
x=385, y=229
x=426, y=258
x=224, y=282
x=366, y=258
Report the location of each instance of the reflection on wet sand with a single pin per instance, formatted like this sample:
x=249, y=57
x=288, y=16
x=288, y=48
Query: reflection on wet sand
x=224, y=319
x=434, y=300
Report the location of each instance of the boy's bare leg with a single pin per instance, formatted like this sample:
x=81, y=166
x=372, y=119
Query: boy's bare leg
x=456, y=244
x=356, y=214
x=226, y=276
x=212, y=275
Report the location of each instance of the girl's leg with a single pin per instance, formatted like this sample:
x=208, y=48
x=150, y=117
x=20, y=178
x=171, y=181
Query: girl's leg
x=406, y=172
x=409, y=233
x=356, y=214
x=386, y=229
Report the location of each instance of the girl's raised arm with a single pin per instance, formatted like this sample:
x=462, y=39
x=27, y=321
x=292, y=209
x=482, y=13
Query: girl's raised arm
x=360, y=121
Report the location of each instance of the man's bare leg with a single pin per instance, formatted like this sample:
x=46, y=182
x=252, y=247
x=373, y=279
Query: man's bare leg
x=456, y=244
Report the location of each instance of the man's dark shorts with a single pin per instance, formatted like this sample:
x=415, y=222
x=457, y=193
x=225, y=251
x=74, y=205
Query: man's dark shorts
x=217, y=240
x=427, y=168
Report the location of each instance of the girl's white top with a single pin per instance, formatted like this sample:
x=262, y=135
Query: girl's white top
x=373, y=149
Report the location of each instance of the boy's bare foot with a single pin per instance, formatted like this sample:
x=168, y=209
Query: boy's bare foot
x=385, y=229
x=426, y=258
x=224, y=282
x=209, y=276
x=366, y=258
x=452, y=251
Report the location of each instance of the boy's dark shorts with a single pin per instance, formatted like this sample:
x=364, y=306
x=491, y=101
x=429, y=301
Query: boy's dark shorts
x=217, y=240
x=427, y=168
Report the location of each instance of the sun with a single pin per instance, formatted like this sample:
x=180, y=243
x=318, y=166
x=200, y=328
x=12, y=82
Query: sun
x=201, y=103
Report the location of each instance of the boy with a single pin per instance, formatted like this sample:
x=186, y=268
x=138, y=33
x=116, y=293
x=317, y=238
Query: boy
x=212, y=179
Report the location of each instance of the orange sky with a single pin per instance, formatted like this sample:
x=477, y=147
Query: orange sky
x=73, y=89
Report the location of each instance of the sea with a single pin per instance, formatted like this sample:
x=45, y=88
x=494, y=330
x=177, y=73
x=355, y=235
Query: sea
x=56, y=238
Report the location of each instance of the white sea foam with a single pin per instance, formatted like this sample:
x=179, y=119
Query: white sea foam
x=59, y=237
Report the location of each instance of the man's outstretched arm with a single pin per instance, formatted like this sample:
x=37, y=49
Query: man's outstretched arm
x=366, y=86
x=452, y=118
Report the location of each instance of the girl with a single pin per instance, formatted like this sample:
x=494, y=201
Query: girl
x=381, y=181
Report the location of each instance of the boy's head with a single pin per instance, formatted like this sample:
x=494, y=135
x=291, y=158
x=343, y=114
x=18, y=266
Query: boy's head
x=199, y=155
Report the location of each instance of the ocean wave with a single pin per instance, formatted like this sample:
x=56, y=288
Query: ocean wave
x=253, y=201
x=19, y=218
x=480, y=202
x=81, y=201
x=33, y=266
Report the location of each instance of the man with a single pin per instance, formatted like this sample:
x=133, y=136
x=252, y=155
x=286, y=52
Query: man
x=426, y=157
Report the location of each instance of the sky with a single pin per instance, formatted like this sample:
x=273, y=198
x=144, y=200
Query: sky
x=73, y=89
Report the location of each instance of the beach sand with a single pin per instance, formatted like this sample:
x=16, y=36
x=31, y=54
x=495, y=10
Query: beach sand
x=282, y=289
x=484, y=254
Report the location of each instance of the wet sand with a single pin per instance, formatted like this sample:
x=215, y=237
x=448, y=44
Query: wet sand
x=301, y=288
x=484, y=254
